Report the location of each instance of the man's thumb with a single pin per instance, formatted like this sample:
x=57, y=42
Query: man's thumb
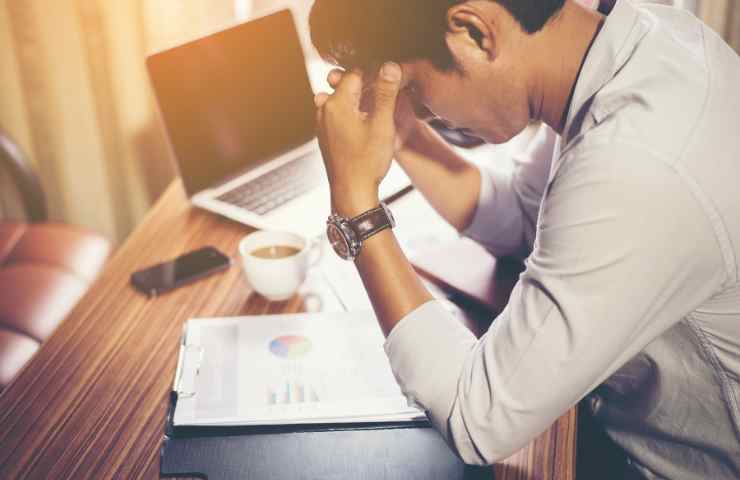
x=386, y=91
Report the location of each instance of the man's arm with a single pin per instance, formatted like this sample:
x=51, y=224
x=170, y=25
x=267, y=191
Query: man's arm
x=449, y=183
x=613, y=268
x=358, y=149
x=498, y=209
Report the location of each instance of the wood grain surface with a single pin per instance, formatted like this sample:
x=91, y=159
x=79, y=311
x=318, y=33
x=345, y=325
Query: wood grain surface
x=92, y=402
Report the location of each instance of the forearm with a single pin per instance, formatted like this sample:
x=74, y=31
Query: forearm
x=391, y=282
x=358, y=150
x=450, y=183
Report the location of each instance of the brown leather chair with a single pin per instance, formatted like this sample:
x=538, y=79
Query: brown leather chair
x=44, y=268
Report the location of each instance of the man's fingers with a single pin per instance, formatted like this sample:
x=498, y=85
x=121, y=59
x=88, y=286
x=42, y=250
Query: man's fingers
x=349, y=89
x=386, y=89
x=334, y=77
x=321, y=99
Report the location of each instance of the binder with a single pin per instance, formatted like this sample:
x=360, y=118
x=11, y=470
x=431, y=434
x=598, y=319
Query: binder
x=397, y=451
x=404, y=450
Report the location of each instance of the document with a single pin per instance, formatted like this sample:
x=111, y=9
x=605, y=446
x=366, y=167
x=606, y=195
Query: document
x=287, y=369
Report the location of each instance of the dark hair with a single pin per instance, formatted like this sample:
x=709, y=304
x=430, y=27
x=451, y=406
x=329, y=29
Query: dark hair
x=365, y=33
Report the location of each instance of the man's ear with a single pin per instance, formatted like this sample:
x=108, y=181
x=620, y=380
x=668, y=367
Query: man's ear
x=470, y=32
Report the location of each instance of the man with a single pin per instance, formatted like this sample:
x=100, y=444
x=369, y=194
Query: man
x=626, y=209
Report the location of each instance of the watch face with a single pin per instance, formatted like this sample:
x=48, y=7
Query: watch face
x=338, y=241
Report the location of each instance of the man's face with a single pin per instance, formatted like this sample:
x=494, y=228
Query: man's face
x=486, y=92
x=483, y=100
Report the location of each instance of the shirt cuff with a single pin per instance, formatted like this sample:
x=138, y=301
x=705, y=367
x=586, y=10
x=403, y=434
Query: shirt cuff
x=427, y=350
x=497, y=223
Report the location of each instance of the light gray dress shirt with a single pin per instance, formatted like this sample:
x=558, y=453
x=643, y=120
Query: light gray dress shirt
x=631, y=297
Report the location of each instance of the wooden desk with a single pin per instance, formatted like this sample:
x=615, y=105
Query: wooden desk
x=91, y=403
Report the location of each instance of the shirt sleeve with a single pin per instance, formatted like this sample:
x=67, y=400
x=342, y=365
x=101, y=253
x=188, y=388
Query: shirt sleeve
x=509, y=202
x=623, y=252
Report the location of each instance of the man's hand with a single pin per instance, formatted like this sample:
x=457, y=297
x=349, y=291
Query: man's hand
x=358, y=146
x=408, y=120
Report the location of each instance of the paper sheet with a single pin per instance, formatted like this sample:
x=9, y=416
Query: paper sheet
x=304, y=368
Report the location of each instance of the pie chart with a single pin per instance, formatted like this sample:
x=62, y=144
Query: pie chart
x=290, y=346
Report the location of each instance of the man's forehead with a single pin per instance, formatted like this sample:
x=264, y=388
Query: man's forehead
x=421, y=73
x=415, y=72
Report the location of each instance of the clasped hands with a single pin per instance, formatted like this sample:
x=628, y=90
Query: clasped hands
x=358, y=135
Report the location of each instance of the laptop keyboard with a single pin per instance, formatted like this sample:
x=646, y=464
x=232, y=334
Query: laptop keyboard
x=277, y=187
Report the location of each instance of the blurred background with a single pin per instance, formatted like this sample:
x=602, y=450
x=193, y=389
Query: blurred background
x=76, y=98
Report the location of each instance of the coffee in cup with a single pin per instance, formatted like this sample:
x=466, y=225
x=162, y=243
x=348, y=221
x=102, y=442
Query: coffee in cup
x=277, y=263
x=275, y=252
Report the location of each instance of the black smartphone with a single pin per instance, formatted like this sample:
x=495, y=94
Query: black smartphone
x=180, y=271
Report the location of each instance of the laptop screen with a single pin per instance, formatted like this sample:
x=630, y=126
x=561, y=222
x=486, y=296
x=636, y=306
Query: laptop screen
x=234, y=100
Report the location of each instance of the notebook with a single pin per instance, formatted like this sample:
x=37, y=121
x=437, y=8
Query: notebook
x=320, y=368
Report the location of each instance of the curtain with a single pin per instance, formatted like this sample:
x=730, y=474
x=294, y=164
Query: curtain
x=76, y=97
x=724, y=17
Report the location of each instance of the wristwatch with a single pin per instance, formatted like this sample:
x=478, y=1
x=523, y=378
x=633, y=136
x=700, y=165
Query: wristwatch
x=347, y=235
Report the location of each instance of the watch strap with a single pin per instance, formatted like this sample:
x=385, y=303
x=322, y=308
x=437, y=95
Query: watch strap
x=371, y=222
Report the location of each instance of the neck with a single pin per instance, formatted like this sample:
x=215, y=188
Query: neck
x=563, y=46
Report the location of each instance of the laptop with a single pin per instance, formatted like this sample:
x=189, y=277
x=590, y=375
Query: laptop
x=238, y=110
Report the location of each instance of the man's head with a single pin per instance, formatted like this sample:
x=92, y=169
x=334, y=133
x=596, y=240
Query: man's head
x=465, y=61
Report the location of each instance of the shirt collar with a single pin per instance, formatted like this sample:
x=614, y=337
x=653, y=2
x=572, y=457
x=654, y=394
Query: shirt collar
x=613, y=46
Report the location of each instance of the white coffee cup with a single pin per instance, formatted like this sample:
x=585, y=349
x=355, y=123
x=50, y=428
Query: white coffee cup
x=278, y=279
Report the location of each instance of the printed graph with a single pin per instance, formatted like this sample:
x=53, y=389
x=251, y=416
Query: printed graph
x=292, y=385
x=291, y=392
x=290, y=346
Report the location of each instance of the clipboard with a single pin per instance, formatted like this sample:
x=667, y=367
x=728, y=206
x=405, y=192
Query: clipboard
x=404, y=450
x=306, y=374
x=394, y=451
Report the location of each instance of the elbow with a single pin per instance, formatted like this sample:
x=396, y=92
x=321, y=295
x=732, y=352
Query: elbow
x=474, y=458
x=481, y=449
x=478, y=436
